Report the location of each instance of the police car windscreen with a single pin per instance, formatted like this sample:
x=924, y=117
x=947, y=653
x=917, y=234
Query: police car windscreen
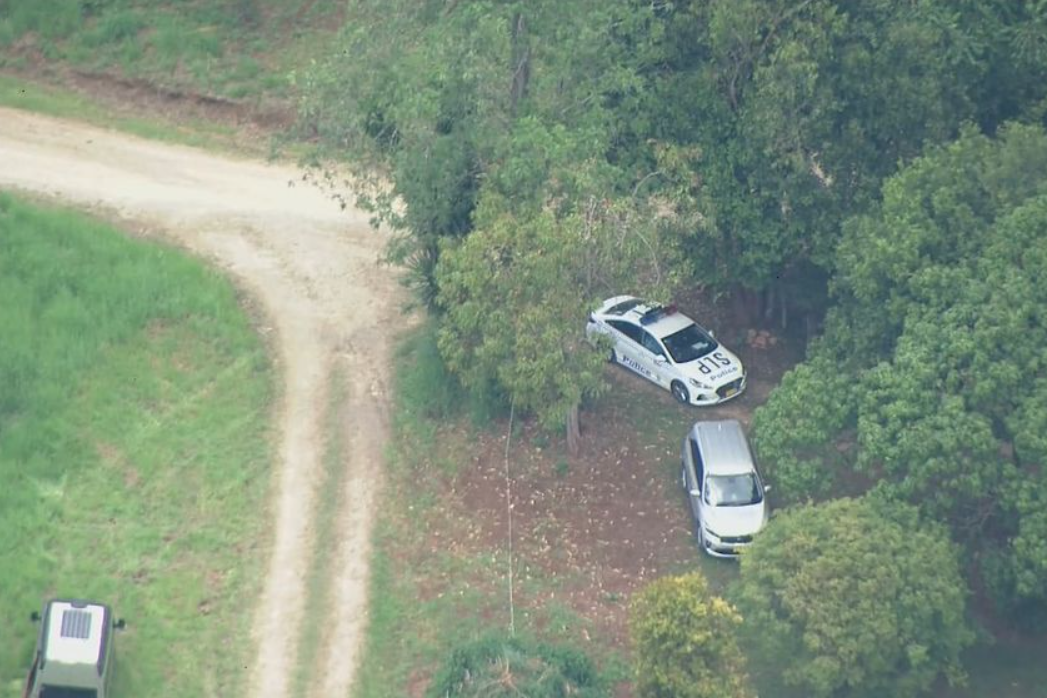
x=67, y=692
x=689, y=344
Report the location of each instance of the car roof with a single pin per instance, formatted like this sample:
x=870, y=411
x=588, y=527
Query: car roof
x=725, y=451
x=660, y=325
x=75, y=631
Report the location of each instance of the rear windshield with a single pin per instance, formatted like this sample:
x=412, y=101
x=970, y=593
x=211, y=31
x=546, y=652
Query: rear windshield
x=624, y=307
x=689, y=344
x=733, y=490
x=67, y=692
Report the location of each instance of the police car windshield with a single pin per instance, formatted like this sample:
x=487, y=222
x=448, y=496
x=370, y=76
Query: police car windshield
x=689, y=344
x=733, y=490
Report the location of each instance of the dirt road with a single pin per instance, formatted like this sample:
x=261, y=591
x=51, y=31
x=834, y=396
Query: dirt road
x=313, y=269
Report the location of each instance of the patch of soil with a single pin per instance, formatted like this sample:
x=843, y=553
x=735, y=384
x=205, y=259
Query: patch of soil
x=600, y=526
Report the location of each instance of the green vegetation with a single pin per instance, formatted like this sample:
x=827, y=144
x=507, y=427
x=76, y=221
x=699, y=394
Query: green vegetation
x=686, y=641
x=872, y=170
x=133, y=449
x=854, y=597
x=507, y=668
x=939, y=332
x=731, y=138
x=239, y=49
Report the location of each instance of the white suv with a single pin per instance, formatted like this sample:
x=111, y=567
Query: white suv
x=724, y=489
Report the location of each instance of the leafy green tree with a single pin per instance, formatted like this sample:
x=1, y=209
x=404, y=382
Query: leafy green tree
x=686, y=641
x=855, y=597
x=517, y=293
x=939, y=334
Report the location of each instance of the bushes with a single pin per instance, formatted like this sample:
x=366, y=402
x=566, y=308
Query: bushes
x=685, y=642
x=855, y=597
x=494, y=667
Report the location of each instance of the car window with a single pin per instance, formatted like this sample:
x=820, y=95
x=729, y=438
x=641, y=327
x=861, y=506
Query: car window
x=690, y=343
x=699, y=466
x=627, y=328
x=651, y=344
x=733, y=490
x=624, y=307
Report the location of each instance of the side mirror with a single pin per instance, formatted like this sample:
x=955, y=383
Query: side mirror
x=695, y=493
x=712, y=334
x=34, y=616
x=120, y=624
x=660, y=360
x=766, y=488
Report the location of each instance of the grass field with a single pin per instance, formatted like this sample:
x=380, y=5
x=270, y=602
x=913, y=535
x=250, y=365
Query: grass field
x=134, y=448
x=239, y=49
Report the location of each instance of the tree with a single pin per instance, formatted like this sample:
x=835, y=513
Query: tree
x=855, y=597
x=939, y=335
x=517, y=294
x=686, y=644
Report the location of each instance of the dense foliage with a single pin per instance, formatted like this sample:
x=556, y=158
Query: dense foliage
x=754, y=128
x=928, y=381
x=686, y=641
x=536, y=157
x=855, y=598
x=495, y=667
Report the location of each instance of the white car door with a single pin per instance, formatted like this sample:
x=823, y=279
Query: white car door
x=629, y=349
x=656, y=358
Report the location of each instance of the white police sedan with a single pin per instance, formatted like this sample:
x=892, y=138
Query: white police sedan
x=668, y=348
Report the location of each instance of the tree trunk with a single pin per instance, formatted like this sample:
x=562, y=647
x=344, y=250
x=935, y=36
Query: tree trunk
x=521, y=61
x=574, y=434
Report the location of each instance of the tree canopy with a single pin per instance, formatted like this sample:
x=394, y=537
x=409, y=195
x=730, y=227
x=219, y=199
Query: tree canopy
x=754, y=127
x=928, y=380
x=686, y=641
x=855, y=597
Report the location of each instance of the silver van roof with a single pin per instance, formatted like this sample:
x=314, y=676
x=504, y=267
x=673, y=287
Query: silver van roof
x=725, y=450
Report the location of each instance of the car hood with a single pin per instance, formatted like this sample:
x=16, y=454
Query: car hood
x=736, y=521
x=721, y=366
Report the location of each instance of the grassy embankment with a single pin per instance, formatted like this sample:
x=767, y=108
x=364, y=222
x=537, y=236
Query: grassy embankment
x=134, y=450
x=245, y=53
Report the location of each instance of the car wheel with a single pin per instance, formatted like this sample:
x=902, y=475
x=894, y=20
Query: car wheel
x=680, y=392
x=683, y=477
x=613, y=358
x=701, y=534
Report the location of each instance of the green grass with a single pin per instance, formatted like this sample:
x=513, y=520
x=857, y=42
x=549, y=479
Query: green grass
x=243, y=49
x=134, y=450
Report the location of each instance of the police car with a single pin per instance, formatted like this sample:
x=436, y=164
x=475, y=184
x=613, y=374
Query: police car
x=668, y=348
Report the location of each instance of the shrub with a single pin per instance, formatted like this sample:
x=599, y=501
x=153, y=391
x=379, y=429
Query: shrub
x=686, y=642
x=496, y=667
x=855, y=597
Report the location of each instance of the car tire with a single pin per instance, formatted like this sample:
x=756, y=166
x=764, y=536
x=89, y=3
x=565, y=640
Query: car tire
x=613, y=358
x=683, y=476
x=679, y=391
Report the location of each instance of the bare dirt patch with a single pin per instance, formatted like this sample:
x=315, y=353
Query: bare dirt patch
x=587, y=531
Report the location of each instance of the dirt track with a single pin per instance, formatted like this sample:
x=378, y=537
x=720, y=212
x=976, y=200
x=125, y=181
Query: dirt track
x=313, y=269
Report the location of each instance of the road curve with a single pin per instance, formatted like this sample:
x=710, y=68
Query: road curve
x=313, y=269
